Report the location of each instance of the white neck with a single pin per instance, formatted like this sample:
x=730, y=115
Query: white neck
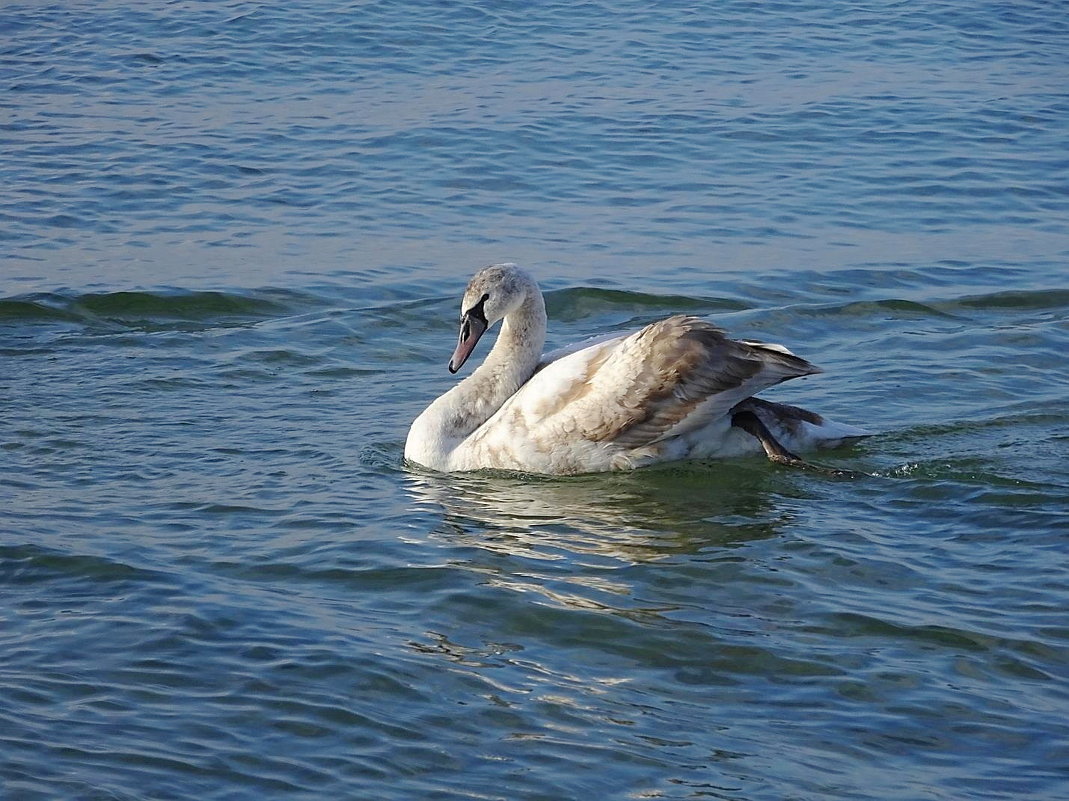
x=453, y=417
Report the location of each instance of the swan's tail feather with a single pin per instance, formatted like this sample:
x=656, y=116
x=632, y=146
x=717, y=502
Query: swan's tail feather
x=800, y=429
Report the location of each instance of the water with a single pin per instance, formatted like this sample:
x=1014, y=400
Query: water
x=234, y=238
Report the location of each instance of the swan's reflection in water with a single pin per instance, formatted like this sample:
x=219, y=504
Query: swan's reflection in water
x=624, y=564
x=626, y=517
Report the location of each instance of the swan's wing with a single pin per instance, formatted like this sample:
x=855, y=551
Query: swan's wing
x=671, y=377
x=575, y=347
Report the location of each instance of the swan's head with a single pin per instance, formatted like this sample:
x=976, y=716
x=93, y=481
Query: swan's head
x=492, y=293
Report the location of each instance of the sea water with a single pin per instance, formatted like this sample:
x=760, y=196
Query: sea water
x=234, y=238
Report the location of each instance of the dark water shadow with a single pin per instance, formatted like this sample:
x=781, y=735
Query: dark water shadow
x=633, y=517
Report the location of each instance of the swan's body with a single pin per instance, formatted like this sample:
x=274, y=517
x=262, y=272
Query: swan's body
x=677, y=389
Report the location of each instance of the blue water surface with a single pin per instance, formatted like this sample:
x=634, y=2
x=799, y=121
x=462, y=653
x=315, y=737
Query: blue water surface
x=233, y=239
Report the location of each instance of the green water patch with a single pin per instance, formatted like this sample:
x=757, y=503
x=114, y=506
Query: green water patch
x=165, y=309
x=17, y=310
x=889, y=309
x=31, y=564
x=568, y=305
x=1014, y=300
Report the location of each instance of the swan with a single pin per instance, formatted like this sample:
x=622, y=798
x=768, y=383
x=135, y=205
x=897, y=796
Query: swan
x=679, y=388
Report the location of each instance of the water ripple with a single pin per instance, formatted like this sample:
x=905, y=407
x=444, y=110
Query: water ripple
x=234, y=238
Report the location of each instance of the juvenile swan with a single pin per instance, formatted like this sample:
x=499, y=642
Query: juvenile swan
x=677, y=389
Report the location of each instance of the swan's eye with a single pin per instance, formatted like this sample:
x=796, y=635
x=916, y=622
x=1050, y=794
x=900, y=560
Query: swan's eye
x=477, y=310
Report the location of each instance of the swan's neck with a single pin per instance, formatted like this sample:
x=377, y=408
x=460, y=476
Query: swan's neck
x=457, y=414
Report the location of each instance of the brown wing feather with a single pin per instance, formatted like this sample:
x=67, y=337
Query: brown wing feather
x=680, y=364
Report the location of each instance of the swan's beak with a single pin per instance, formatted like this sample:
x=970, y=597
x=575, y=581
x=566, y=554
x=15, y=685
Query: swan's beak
x=471, y=328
